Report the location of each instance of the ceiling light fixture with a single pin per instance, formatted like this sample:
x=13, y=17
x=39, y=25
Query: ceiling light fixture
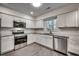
x=31, y=12
x=35, y=4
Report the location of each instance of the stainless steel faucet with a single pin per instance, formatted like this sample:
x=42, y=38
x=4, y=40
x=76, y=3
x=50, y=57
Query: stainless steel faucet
x=50, y=31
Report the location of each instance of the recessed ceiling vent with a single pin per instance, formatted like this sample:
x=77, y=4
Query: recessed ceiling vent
x=48, y=8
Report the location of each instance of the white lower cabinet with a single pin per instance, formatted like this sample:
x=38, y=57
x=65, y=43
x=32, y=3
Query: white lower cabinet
x=30, y=38
x=38, y=38
x=45, y=40
x=7, y=44
x=73, y=44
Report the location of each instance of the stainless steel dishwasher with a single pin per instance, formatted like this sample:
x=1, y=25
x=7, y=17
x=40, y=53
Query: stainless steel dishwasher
x=60, y=43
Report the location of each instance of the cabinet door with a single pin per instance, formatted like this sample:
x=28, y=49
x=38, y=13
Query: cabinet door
x=7, y=44
x=11, y=42
x=71, y=19
x=48, y=41
x=39, y=24
x=32, y=24
x=29, y=24
x=30, y=38
x=67, y=19
x=6, y=20
x=61, y=22
x=73, y=44
x=37, y=38
x=41, y=39
x=77, y=17
x=45, y=40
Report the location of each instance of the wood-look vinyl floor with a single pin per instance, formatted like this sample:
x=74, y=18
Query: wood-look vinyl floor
x=33, y=50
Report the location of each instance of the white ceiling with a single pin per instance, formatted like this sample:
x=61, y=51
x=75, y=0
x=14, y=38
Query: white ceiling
x=26, y=8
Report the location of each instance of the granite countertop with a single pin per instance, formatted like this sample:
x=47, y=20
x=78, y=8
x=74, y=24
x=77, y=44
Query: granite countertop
x=40, y=33
x=50, y=35
x=6, y=35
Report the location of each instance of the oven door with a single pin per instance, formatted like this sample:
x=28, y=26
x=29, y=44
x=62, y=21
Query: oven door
x=20, y=39
x=20, y=42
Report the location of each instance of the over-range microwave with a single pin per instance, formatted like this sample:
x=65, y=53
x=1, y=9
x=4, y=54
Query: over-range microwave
x=17, y=24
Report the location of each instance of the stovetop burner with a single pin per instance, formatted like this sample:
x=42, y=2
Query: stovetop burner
x=19, y=36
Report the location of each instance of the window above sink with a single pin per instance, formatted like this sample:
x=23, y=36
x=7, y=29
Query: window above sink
x=50, y=23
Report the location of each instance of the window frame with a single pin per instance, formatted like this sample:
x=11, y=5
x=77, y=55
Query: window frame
x=47, y=20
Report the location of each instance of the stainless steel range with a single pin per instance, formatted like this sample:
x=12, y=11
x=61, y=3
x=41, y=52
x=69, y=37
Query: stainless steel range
x=20, y=39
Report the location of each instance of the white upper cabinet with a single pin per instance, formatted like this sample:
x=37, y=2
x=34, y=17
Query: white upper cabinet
x=34, y=24
x=61, y=21
x=30, y=24
x=27, y=23
x=6, y=20
x=77, y=17
x=39, y=23
x=68, y=19
x=71, y=20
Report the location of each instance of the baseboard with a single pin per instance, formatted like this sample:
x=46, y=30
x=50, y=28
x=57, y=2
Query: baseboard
x=61, y=52
x=30, y=44
x=7, y=52
x=20, y=48
x=73, y=53
x=43, y=46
